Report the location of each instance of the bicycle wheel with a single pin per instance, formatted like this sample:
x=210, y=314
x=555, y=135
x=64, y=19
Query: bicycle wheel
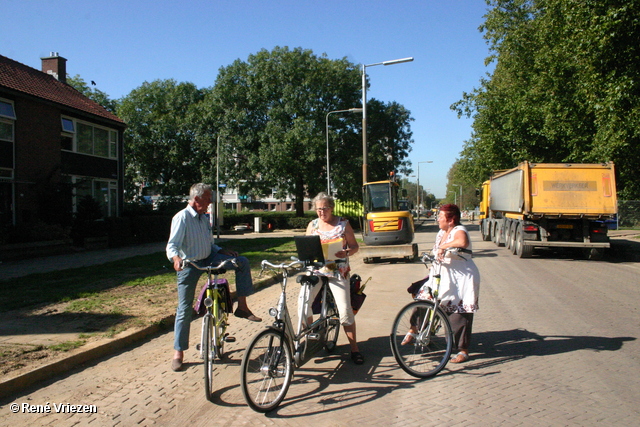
x=207, y=355
x=428, y=353
x=266, y=371
x=333, y=328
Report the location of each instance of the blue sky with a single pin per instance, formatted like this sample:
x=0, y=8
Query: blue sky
x=121, y=44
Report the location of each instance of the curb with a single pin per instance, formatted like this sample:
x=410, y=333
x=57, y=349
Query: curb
x=84, y=354
x=96, y=350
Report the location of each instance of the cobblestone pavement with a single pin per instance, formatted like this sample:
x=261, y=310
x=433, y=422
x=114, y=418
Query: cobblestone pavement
x=546, y=351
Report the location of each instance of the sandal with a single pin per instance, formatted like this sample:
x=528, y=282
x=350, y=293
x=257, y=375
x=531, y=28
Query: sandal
x=408, y=339
x=246, y=315
x=459, y=358
x=357, y=357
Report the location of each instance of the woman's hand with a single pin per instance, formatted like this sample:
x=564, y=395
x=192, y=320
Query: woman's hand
x=342, y=254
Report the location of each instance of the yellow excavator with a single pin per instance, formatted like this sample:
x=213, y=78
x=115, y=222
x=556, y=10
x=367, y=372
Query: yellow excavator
x=387, y=230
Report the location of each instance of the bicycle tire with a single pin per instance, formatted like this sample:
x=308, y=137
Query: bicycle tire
x=332, y=329
x=422, y=358
x=266, y=371
x=207, y=355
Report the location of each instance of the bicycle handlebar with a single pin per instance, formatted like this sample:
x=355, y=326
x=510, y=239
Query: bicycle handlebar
x=427, y=257
x=282, y=266
x=220, y=266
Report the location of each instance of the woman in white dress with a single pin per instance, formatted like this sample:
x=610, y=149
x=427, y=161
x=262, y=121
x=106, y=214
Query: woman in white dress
x=333, y=228
x=460, y=279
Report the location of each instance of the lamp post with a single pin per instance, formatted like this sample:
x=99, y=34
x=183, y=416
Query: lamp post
x=350, y=110
x=364, y=110
x=459, y=185
x=418, y=196
x=218, y=188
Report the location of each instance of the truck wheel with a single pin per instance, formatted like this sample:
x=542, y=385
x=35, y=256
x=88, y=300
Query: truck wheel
x=507, y=235
x=486, y=236
x=522, y=250
x=495, y=233
x=512, y=240
x=594, y=254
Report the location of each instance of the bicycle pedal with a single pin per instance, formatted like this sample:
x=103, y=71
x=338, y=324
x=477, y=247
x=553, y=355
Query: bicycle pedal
x=314, y=337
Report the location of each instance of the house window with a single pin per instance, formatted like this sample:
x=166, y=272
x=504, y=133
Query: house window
x=66, y=138
x=113, y=144
x=7, y=116
x=94, y=140
x=7, y=110
x=68, y=126
x=105, y=192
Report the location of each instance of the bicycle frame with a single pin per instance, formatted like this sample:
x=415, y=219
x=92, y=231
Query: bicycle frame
x=428, y=329
x=284, y=325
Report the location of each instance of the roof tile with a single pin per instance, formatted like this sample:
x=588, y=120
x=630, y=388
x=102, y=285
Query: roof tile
x=22, y=78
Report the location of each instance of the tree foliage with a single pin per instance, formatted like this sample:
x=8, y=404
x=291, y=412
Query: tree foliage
x=94, y=94
x=164, y=145
x=271, y=112
x=565, y=88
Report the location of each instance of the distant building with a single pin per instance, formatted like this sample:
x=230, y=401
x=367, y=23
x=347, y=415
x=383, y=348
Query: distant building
x=56, y=145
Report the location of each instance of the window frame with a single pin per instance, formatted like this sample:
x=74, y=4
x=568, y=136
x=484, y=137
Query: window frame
x=80, y=127
x=12, y=106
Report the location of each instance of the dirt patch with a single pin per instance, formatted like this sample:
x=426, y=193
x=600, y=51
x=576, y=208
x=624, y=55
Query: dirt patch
x=41, y=335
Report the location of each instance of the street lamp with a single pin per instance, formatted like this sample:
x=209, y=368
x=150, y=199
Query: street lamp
x=350, y=110
x=218, y=187
x=459, y=185
x=418, y=191
x=364, y=110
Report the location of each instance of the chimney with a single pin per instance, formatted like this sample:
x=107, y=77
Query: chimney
x=56, y=66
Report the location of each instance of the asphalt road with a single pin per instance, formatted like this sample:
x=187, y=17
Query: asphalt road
x=555, y=343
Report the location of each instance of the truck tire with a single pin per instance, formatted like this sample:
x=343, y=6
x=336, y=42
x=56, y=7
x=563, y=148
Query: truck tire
x=486, y=235
x=507, y=235
x=522, y=250
x=495, y=234
x=512, y=244
x=594, y=254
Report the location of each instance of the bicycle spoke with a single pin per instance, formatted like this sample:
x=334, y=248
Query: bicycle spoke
x=266, y=371
x=426, y=353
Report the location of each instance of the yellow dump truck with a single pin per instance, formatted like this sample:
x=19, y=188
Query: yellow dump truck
x=549, y=205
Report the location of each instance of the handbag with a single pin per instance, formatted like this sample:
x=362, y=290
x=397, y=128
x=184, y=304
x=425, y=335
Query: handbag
x=357, y=296
x=225, y=297
x=415, y=286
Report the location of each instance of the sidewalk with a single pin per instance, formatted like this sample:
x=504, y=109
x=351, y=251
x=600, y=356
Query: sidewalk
x=29, y=334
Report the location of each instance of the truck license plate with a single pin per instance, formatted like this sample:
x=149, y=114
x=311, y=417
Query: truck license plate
x=569, y=226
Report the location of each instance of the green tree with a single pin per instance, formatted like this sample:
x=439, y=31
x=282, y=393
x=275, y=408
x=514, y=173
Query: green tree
x=94, y=94
x=565, y=88
x=272, y=109
x=165, y=144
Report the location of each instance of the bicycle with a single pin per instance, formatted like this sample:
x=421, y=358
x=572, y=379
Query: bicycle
x=421, y=337
x=274, y=353
x=214, y=322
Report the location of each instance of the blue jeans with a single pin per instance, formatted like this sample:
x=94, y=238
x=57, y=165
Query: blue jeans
x=187, y=281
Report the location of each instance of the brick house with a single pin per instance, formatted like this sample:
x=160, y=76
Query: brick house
x=56, y=146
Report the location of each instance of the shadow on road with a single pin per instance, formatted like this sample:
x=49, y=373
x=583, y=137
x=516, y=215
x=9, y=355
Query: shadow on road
x=520, y=343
